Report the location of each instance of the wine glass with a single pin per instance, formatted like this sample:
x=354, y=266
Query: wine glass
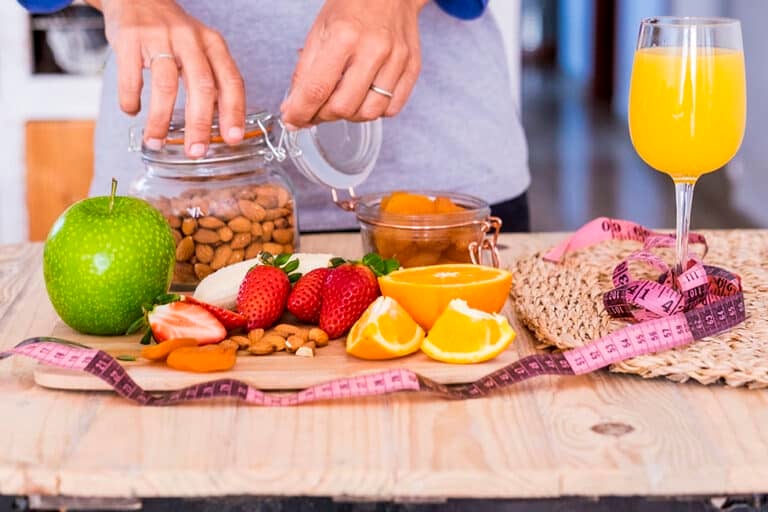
x=687, y=104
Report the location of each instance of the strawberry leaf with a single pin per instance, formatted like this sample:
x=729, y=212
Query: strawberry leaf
x=291, y=266
x=379, y=265
x=282, y=259
x=137, y=325
x=335, y=262
x=147, y=338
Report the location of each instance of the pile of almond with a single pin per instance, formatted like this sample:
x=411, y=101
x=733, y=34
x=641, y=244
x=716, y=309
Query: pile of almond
x=216, y=228
x=293, y=339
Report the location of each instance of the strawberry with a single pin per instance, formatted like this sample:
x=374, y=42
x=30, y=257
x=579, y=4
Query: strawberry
x=231, y=320
x=305, y=299
x=181, y=320
x=263, y=293
x=348, y=290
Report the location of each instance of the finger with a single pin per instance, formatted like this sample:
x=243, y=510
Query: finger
x=353, y=88
x=407, y=82
x=231, y=88
x=165, y=85
x=313, y=87
x=201, y=94
x=129, y=73
x=376, y=104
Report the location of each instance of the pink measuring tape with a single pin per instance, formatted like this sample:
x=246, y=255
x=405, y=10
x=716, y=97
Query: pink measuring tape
x=707, y=301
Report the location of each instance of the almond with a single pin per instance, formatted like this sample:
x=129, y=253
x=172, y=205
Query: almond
x=206, y=236
x=204, y=253
x=174, y=221
x=240, y=225
x=273, y=248
x=202, y=270
x=267, y=199
x=242, y=341
x=188, y=226
x=262, y=348
x=282, y=236
x=185, y=249
x=241, y=240
x=255, y=335
x=281, y=223
x=293, y=343
x=210, y=222
x=177, y=236
x=292, y=330
x=256, y=230
x=237, y=256
x=221, y=256
x=283, y=197
x=276, y=213
x=229, y=343
x=253, y=250
x=225, y=234
x=267, y=228
x=251, y=210
x=319, y=336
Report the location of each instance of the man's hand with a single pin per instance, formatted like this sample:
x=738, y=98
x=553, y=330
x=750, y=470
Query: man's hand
x=353, y=45
x=159, y=35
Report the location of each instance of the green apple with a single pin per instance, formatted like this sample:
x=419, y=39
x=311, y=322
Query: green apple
x=104, y=258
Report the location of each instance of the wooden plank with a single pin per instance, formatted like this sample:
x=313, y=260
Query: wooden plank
x=541, y=438
x=59, y=157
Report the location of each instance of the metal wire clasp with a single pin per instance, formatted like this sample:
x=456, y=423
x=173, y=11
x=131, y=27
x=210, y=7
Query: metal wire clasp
x=345, y=204
x=285, y=143
x=490, y=228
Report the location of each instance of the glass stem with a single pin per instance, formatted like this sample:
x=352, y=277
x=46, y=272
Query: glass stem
x=684, y=199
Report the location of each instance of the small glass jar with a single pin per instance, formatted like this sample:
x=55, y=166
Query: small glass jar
x=467, y=236
x=235, y=202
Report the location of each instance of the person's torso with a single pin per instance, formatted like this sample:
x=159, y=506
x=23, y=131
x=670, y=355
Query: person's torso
x=460, y=130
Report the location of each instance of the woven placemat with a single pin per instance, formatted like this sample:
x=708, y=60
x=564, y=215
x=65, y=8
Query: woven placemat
x=562, y=305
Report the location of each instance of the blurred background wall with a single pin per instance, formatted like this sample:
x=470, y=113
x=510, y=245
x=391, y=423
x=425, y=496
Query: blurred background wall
x=571, y=60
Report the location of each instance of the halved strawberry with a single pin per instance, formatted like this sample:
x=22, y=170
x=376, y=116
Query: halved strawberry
x=231, y=320
x=182, y=320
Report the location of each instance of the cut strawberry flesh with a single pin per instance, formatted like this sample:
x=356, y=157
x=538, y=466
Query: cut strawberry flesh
x=181, y=320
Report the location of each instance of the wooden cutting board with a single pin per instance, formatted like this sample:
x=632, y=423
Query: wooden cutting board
x=276, y=371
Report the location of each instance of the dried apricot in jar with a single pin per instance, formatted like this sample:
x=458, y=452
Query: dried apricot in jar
x=406, y=203
x=208, y=358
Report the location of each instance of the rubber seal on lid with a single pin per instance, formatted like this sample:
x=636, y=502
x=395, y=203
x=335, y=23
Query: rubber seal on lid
x=340, y=154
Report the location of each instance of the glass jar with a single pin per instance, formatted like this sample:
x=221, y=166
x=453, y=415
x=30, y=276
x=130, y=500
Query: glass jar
x=467, y=236
x=235, y=202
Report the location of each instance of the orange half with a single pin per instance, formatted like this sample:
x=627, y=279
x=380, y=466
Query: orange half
x=425, y=292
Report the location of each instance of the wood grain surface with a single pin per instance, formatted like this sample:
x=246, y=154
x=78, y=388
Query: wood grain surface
x=591, y=435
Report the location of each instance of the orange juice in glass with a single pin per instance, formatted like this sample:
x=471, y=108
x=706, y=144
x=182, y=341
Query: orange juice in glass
x=687, y=103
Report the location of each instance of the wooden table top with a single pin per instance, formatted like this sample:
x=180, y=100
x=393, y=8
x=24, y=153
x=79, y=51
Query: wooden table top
x=552, y=436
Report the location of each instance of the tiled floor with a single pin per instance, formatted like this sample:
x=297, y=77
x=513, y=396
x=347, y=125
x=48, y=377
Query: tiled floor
x=583, y=166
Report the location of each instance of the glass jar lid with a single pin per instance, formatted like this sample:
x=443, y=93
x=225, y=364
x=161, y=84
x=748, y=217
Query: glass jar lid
x=338, y=154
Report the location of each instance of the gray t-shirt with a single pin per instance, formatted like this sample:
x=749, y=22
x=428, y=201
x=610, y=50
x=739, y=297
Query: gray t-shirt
x=460, y=131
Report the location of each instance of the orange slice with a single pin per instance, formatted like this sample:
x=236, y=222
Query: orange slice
x=426, y=291
x=384, y=331
x=465, y=335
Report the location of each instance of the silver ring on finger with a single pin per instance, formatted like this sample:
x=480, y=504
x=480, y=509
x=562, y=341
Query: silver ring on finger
x=157, y=56
x=381, y=91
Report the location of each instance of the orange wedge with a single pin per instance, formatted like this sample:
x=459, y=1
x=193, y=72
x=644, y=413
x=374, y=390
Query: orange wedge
x=426, y=291
x=384, y=331
x=465, y=335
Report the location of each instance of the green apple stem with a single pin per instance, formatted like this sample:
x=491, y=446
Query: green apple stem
x=112, y=195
